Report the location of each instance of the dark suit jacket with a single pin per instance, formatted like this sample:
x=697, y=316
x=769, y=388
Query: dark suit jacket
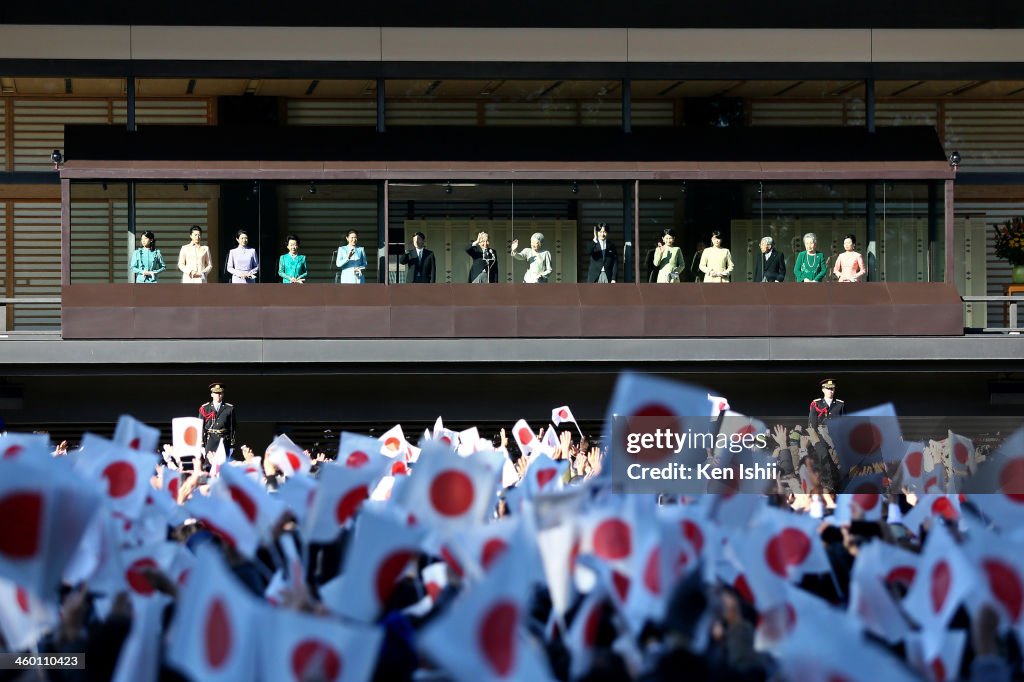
x=479, y=265
x=609, y=260
x=774, y=269
x=418, y=269
x=224, y=420
x=821, y=412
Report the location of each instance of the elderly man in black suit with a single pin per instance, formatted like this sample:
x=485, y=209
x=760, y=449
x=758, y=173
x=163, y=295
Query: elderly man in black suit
x=771, y=266
x=604, y=260
x=419, y=262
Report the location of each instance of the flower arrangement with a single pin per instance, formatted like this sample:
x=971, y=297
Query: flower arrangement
x=1010, y=241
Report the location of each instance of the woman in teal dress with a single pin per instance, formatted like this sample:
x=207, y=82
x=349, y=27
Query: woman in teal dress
x=147, y=261
x=291, y=267
x=810, y=263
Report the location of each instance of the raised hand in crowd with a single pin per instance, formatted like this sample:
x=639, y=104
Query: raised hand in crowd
x=781, y=435
x=504, y=440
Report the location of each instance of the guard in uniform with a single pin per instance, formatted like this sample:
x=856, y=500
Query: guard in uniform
x=826, y=407
x=218, y=420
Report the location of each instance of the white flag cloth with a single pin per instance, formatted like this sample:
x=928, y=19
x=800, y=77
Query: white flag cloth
x=261, y=509
x=288, y=457
x=215, y=624
x=718, y=405
x=187, y=437
x=562, y=414
x=18, y=444
x=393, y=442
x=865, y=437
x=296, y=647
x=468, y=440
x=944, y=666
x=435, y=579
x=47, y=510
x=139, y=660
x=862, y=498
x=379, y=553
x=120, y=473
x=581, y=640
x=544, y=475
x=999, y=484
x=524, y=436
x=962, y=453
x=339, y=494
x=870, y=600
x=23, y=617
x=912, y=468
x=448, y=492
x=133, y=434
x=485, y=622
x=226, y=520
x=297, y=494
x=1000, y=564
x=357, y=451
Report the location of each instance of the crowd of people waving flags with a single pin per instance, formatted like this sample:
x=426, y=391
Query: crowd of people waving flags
x=448, y=555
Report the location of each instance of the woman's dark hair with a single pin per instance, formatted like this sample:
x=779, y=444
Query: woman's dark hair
x=716, y=233
x=239, y=233
x=290, y=238
x=853, y=239
x=195, y=228
x=148, y=234
x=355, y=232
x=668, y=232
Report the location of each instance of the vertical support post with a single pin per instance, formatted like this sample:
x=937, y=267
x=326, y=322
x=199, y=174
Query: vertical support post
x=869, y=104
x=933, y=232
x=65, y=232
x=636, y=231
x=130, y=104
x=382, y=220
x=950, y=274
x=872, y=231
x=627, y=105
x=381, y=124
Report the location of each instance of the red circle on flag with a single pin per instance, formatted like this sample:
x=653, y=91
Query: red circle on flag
x=172, y=488
x=293, y=461
x=525, y=436
x=218, y=638
x=563, y=414
x=497, y=636
x=789, y=548
x=21, y=596
x=944, y=508
x=393, y=444
x=942, y=580
x=446, y=440
x=652, y=571
x=747, y=430
x=348, y=504
x=451, y=493
x=357, y=459
x=544, y=476
x=13, y=451
x=1006, y=586
x=243, y=500
x=867, y=496
x=21, y=540
x=388, y=571
x=191, y=436
x=120, y=479
x=914, y=462
x=135, y=444
x=452, y=562
x=960, y=452
x=493, y=549
x=694, y=535
x=1011, y=480
x=901, y=575
x=648, y=419
x=433, y=590
x=938, y=670
x=742, y=588
x=315, y=659
x=136, y=580
x=399, y=469
x=592, y=624
x=620, y=581
x=865, y=439
x=612, y=539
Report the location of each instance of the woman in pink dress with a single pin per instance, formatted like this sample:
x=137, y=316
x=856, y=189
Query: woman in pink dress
x=849, y=264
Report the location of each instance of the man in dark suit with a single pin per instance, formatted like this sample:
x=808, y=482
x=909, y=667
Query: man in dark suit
x=485, y=261
x=218, y=420
x=771, y=265
x=419, y=262
x=603, y=258
x=826, y=407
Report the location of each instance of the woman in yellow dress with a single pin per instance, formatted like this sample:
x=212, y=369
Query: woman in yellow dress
x=668, y=258
x=716, y=262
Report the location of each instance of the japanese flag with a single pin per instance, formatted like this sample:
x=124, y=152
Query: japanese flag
x=486, y=623
x=870, y=599
x=226, y=520
x=562, y=414
x=999, y=484
x=393, y=443
x=468, y=440
x=961, y=453
x=524, y=436
x=649, y=586
x=822, y=655
x=741, y=432
x=866, y=437
x=912, y=469
x=215, y=624
x=449, y=492
x=379, y=553
x=139, y=660
x=581, y=640
x=288, y=457
x=558, y=546
x=435, y=579
x=931, y=506
x=133, y=434
x=687, y=539
x=861, y=499
x=29, y=444
x=1000, y=565
x=339, y=495
x=23, y=617
x=718, y=405
x=944, y=578
x=550, y=443
x=357, y=451
x=799, y=614
x=545, y=475
x=121, y=474
x=187, y=437
x=944, y=664
x=297, y=493
x=260, y=509
x=297, y=647
x=46, y=510
x=133, y=563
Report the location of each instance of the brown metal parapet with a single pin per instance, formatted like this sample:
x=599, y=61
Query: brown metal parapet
x=442, y=311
